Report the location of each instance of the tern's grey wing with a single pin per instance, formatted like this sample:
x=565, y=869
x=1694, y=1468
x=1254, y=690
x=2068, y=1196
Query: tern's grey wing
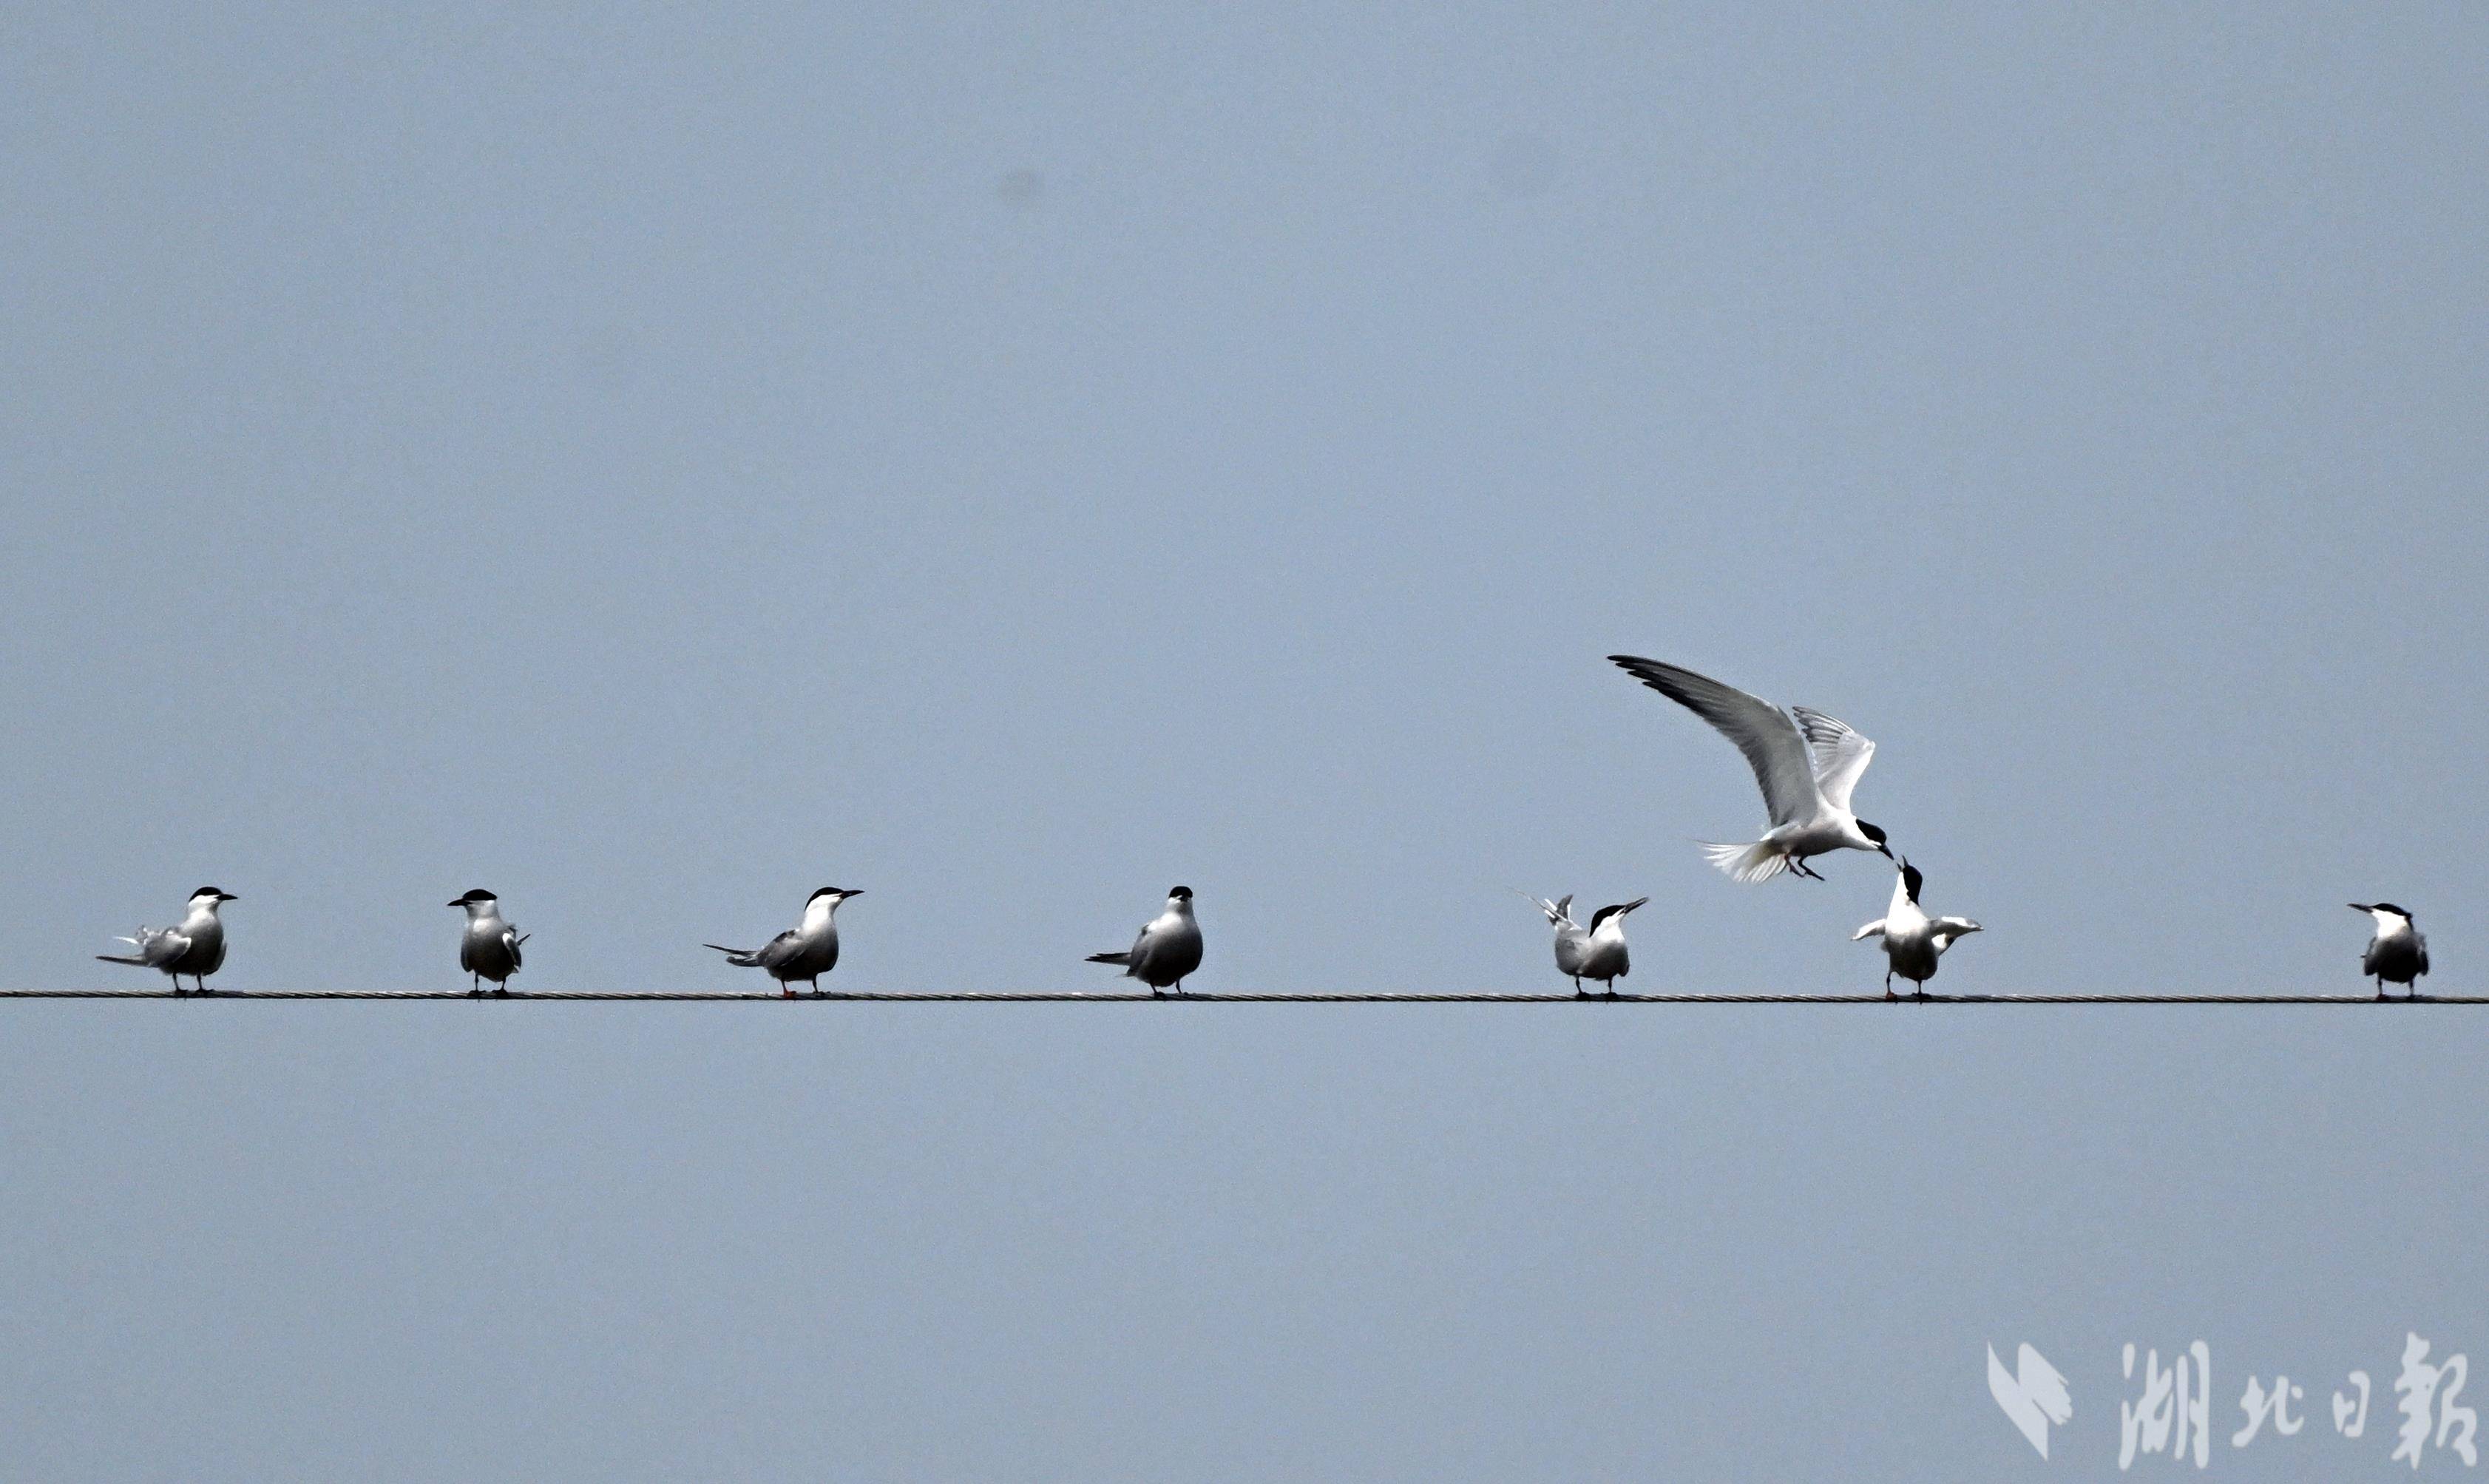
x=1841, y=754
x=2421, y=944
x=1766, y=735
x=511, y=938
x=163, y=948
x=777, y=950
x=1946, y=930
x=1572, y=946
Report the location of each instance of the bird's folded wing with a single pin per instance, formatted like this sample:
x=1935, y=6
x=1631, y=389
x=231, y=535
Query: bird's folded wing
x=511, y=940
x=1766, y=735
x=164, y=947
x=1841, y=754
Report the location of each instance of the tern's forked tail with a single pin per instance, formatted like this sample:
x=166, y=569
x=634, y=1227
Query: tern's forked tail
x=1760, y=861
x=1124, y=957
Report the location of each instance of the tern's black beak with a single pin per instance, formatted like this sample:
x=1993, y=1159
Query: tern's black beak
x=2361, y=906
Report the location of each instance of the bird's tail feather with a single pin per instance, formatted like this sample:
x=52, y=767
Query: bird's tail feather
x=740, y=957
x=121, y=959
x=1559, y=913
x=1124, y=957
x=1760, y=861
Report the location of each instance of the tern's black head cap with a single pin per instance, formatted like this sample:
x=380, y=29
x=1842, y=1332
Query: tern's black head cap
x=1180, y=893
x=1872, y=832
x=1911, y=880
x=217, y=892
x=2388, y=906
x=477, y=895
x=1618, y=910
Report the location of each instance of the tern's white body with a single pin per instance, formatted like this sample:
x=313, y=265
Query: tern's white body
x=1913, y=941
x=1807, y=763
x=1168, y=948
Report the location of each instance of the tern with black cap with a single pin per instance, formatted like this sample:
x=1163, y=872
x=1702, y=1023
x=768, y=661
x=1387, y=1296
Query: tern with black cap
x=489, y=947
x=1913, y=941
x=2398, y=953
x=1168, y=949
x=1807, y=762
x=196, y=948
x=806, y=950
x=1596, y=952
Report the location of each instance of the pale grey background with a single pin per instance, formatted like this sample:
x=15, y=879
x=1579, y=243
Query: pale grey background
x=652, y=464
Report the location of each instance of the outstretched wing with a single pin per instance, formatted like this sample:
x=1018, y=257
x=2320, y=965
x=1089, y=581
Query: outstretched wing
x=1945, y=930
x=1841, y=754
x=1766, y=734
x=1874, y=929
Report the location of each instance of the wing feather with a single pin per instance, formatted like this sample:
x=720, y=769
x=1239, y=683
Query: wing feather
x=1841, y=754
x=1769, y=736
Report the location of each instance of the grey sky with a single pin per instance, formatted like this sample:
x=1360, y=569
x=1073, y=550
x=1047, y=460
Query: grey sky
x=651, y=466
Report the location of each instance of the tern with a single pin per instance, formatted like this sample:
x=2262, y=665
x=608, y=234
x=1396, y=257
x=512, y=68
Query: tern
x=1913, y=941
x=806, y=950
x=1596, y=952
x=196, y=948
x=489, y=949
x=2397, y=954
x=1168, y=949
x=1807, y=762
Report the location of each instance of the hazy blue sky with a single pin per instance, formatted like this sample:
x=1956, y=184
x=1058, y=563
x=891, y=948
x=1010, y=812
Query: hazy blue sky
x=652, y=465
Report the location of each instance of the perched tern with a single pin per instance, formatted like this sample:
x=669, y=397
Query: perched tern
x=1596, y=952
x=1807, y=762
x=1913, y=941
x=196, y=948
x=1167, y=950
x=2397, y=954
x=489, y=947
x=806, y=950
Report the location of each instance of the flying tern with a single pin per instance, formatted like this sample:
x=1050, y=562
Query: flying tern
x=1807, y=762
x=806, y=950
x=2398, y=953
x=1168, y=949
x=196, y=948
x=1913, y=941
x=489, y=947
